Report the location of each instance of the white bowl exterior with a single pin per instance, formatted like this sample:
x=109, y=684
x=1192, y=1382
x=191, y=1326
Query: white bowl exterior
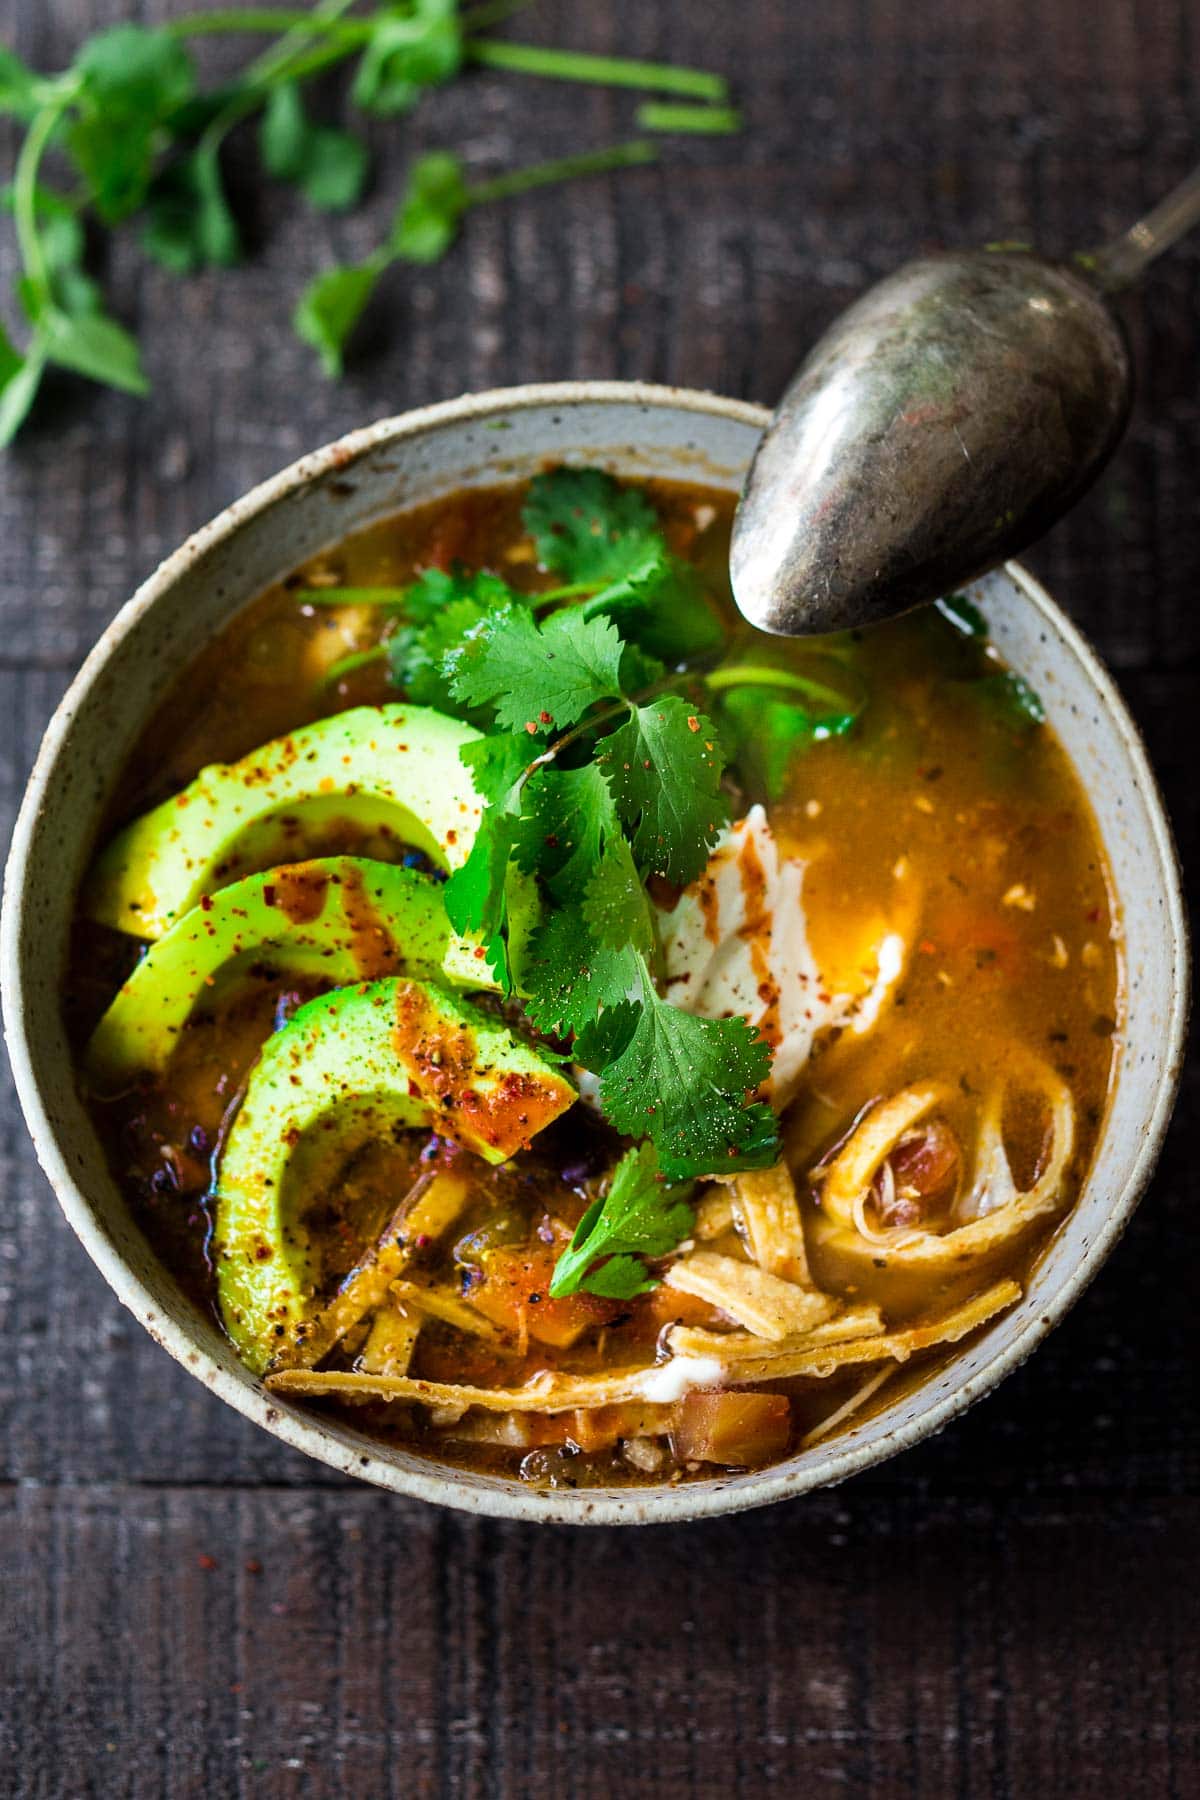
x=636, y=431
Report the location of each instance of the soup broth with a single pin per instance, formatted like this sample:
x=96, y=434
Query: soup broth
x=914, y=879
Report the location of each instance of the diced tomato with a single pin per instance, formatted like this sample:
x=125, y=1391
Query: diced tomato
x=515, y=1294
x=927, y=1168
x=600, y=1427
x=667, y=1306
x=741, y=1430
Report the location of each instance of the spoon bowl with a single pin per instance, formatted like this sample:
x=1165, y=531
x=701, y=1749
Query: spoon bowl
x=940, y=426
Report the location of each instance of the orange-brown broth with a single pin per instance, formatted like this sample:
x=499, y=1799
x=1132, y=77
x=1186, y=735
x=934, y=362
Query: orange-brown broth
x=1016, y=942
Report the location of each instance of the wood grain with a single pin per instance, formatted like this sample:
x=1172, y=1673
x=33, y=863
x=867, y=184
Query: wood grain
x=1007, y=1610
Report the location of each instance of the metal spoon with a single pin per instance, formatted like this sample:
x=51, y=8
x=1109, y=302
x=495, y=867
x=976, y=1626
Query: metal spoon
x=947, y=419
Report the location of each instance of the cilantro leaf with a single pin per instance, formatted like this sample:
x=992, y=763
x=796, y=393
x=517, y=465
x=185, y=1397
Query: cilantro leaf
x=96, y=346
x=567, y=819
x=770, y=715
x=329, y=166
x=131, y=80
x=416, y=656
x=659, y=603
x=537, y=675
x=412, y=47
x=664, y=770
x=427, y=220
x=963, y=614
x=641, y=1215
x=434, y=589
x=19, y=86
x=615, y=907
x=60, y=234
x=20, y=378
x=683, y=1081
x=572, y=979
x=331, y=306
x=1008, y=698
x=496, y=765
x=189, y=224
x=587, y=527
x=476, y=895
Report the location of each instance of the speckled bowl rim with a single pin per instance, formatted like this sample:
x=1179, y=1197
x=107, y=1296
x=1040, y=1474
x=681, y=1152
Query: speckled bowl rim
x=439, y=1483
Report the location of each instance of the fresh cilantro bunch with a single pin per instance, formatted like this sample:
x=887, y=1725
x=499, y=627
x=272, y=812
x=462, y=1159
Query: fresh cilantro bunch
x=596, y=774
x=139, y=142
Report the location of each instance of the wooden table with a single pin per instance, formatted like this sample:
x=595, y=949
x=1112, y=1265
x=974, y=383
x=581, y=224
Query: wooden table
x=191, y=1609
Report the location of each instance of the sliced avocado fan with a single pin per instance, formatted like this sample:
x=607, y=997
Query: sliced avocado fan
x=351, y=1068
x=393, y=768
x=341, y=918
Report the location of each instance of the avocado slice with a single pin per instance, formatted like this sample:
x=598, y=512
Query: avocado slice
x=343, y=918
x=349, y=1068
x=395, y=768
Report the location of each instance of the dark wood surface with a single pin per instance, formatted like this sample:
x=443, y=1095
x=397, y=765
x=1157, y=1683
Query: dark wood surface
x=191, y=1609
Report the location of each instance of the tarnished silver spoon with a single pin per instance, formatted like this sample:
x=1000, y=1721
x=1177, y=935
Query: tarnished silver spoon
x=938, y=427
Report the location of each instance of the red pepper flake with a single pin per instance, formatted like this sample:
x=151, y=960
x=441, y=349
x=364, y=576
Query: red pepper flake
x=546, y=718
x=927, y=948
x=479, y=953
x=693, y=722
x=1093, y=917
x=252, y=1566
x=206, y=901
x=268, y=895
x=207, y=1563
x=531, y=727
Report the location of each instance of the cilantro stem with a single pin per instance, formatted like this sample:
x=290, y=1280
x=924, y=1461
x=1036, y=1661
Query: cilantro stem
x=359, y=596
x=282, y=61
x=573, y=590
x=262, y=21
x=563, y=168
x=657, y=115
x=345, y=665
x=601, y=71
x=29, y=238
x=760, y=675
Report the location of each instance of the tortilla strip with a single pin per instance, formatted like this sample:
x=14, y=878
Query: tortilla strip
x=428, y=1209
x=736, y=1346
x=546, y=1394
x=858, y=1162
x=764, y=1200
x=714, y=1214
x=767, y=1306
x=390, y=1342
x=660, y=1383
x=994, y=1214
x=442, y=1303
x=897, y=1345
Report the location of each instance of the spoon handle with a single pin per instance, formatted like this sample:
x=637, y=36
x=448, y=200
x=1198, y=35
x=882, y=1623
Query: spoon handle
x=1118, y=264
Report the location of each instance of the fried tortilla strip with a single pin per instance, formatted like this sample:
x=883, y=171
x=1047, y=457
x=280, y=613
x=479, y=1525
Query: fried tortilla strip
x=442, y=1303
x=764, y=1304
x=765, y=1202
x=546, y=1394
x=736, y=1346
x=429, y=1208
x=858, y=1162
x=390, y=1341
x=896, y=1346
x=714, y=1214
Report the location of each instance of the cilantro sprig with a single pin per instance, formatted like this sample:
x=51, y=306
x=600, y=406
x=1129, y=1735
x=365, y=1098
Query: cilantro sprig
x=640, y=1216
x=139, y=144
x=595, y=775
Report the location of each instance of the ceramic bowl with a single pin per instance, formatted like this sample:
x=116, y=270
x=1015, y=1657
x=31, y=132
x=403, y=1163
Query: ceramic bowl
x=635, y=431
